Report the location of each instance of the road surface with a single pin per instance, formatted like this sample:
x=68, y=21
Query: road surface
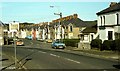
x=44, y=57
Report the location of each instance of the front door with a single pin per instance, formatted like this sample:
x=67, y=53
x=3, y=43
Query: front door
x=110, y=36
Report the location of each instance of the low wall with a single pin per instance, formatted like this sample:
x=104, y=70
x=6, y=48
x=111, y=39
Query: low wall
x=84, y=46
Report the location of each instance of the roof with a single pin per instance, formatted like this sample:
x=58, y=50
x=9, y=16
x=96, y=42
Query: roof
x=91, y=23
x=1, y=23
x=90, y=30
x=77, y=22
x=113, y=8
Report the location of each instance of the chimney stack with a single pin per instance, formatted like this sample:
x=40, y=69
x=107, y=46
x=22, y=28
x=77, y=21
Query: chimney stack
x=113, y=3
x=75, y=16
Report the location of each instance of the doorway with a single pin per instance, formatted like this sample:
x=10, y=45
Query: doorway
x=110, y=35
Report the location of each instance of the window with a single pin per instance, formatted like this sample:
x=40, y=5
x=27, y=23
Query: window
x=104, y=20
x=110, y=35
x=117, y=19
x=71, y=29
x=101, y=20
x=91, y=37
x=82, y=37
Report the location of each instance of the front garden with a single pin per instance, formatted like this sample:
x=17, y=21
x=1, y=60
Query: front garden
x=113, y=45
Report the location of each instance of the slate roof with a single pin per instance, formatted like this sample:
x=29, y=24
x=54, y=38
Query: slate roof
x=77, y=22
x=90, y=30
x=1, y=23
x=113, y=8
x=92, y=27
x=91, y=23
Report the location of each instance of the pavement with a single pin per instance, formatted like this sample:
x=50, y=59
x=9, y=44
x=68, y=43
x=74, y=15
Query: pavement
x=105, y=54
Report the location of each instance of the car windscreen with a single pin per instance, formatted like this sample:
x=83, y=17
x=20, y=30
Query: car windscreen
x=58, y=42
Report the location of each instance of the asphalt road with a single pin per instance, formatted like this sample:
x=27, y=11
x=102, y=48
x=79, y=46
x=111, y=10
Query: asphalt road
x=44, y=57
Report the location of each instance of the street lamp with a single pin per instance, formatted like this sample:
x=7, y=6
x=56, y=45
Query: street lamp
x=60, y=14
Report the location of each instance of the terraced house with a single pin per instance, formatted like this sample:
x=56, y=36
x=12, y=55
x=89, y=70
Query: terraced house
x=1, y=33
x=109, y=22
x=70, y=27
x=67, y=27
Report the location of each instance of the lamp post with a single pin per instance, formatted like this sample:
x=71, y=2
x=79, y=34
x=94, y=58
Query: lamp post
x=60, y=23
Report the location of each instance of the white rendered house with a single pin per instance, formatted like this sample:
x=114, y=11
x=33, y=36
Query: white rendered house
x=109, y=22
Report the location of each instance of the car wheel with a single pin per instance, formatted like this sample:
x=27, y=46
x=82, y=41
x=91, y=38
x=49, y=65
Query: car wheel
x=53, y=47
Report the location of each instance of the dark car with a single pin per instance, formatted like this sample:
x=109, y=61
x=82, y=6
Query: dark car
x=58, y=44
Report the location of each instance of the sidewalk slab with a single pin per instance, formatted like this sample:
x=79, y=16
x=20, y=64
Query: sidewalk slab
x=111, y=55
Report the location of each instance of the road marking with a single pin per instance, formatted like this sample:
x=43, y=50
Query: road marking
x=72, y=60
x=54, y=55
x=42, y=52
x=20, y=63
x=65, y=58
x=11, y=68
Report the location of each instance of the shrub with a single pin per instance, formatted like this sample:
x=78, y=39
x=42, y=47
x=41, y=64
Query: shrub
x=71, y=42
x=96, y=43
x=117, y=44
x=108, y=45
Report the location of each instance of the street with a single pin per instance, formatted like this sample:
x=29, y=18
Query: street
x=39, y=55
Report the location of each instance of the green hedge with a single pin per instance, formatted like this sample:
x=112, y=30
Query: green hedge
x=71, y=42
x=116, y=44
x=108, y=45
x=96, y=43
x=111, y=44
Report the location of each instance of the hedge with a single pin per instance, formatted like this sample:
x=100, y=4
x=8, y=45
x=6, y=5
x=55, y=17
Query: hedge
x=96, y=43
x=108, y=45
x=117, y=44
x=71, y=42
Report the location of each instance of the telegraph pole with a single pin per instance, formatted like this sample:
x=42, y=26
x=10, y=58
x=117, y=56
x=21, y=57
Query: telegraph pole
x=60, y=23
x=15, y=50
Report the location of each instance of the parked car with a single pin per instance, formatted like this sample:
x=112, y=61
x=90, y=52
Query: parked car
x=58, y=44
x=29, y=37
x=49, y=40
x=19, y=42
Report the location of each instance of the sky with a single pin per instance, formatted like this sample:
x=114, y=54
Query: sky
x=36, y=12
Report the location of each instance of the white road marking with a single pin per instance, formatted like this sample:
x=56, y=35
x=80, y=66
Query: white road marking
x=65, y=58
x=42, y=52
x=11, y=68
x=19, y=63
x=54, y=55
x=72, y=60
